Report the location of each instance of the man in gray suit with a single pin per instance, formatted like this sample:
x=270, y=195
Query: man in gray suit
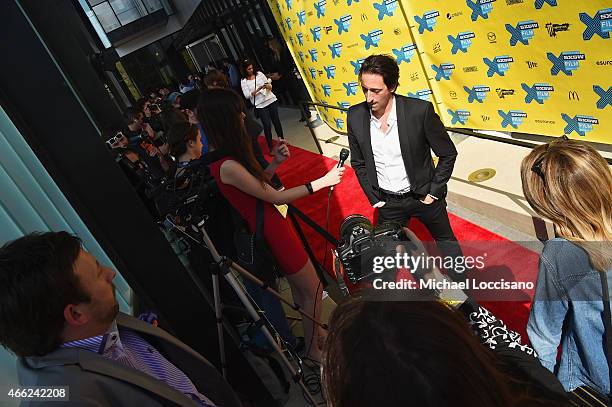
x=59, y=315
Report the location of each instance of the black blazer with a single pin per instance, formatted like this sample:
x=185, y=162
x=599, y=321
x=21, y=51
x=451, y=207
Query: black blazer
x=420, y=131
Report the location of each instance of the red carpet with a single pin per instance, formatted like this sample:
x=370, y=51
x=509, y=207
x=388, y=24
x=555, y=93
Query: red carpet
x=514, y=262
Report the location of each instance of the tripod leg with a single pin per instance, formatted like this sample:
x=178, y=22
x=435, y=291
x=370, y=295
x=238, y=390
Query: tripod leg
x=233, y=282
x=218, y=311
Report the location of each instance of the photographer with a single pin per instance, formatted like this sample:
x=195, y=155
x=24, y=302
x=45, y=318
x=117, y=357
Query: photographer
x=243, y=183
x=258, y=89
x=140, y=136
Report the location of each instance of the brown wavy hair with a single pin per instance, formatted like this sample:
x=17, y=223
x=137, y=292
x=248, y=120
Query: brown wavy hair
x=570, y=183
x=418, y=353
x=220, y=112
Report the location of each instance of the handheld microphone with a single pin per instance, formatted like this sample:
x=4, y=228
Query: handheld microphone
x=344, y=153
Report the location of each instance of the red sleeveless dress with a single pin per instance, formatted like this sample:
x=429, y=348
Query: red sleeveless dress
x=278, y=232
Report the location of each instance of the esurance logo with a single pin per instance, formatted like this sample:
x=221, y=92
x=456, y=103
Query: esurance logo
x=539, y=92
x=499, y=65
x=316, y=33
x=313, y=73
x=480, y=8
x=461, y=42
x=405, y=53
x=522, y=33
x=600, y=24
x=567, y=62
x=477, y=93
x=579, y=123
x=427, y=21
x=513, y=118
x=443, y=71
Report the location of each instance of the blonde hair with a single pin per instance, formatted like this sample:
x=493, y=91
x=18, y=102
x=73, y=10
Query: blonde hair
x=570, y=183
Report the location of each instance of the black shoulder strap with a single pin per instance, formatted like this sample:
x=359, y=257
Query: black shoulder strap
x=607, y=321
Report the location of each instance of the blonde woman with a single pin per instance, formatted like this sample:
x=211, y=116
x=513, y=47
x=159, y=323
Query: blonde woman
x=570, y=184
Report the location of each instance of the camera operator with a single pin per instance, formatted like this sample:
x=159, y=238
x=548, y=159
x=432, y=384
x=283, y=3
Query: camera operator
x=243, y=182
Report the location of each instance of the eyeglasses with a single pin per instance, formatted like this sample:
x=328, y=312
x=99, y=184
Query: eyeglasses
x=537, y=165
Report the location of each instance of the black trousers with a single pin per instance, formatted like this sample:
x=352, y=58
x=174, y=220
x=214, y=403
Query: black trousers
x=435, y=219
x=269, y=116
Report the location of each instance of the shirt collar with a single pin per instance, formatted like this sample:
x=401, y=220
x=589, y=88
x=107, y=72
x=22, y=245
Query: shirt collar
x=391, y=119
x=99, y=343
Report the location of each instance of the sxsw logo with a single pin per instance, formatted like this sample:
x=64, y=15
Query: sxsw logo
x=428, y=21
x=522, y=33
x=320, y=8
x=405, y=53
x=472, y=68
x=350, y=88
x=600, y=24
x=538, y=92
x=316, y=33
x=424, y=94
x=443, y=71
x=330, y=71
x=371, y=39
x=336, y=49
x=301, y=15
x=579, y=123
x=478, y=93
x=566, y=62
x=357, y=65
x=385, y=8
x=344, y=105
x=513, y=118
x=462, y=42
x=499, y=65
x=343, y=23
x=480, y=8
x=313, y=54
x=459, y=116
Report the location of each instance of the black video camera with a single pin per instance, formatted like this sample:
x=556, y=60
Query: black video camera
x=360, y=243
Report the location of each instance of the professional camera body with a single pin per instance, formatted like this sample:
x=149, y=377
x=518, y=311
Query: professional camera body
x=187, y=197
x=359, y=243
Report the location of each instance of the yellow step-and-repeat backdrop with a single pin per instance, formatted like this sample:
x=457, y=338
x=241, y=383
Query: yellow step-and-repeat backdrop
x=531, y=66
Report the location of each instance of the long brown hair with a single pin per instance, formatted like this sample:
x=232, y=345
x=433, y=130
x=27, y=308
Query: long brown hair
x=220, y=112
x=418, y=353
x=570, y=183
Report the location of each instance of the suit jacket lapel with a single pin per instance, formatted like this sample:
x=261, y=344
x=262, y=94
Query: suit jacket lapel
x=403, y=131
x=368, y=155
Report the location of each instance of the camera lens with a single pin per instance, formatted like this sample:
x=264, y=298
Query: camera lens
x=354, y=224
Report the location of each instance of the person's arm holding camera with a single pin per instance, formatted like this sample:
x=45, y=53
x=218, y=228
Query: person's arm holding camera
x=233, y=173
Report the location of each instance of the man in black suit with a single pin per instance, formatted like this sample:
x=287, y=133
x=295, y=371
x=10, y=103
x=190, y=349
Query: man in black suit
x=391, y=138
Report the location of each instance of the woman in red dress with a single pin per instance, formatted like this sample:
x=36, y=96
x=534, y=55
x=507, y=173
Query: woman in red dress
x=242, y=181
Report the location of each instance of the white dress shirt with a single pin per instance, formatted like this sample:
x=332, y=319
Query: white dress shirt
x=390, y=170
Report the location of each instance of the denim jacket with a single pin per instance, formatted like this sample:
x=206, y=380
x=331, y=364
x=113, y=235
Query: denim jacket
x=568, y=309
